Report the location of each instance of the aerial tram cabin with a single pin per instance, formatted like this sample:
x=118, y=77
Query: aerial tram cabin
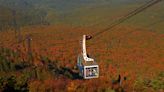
x=87, y=66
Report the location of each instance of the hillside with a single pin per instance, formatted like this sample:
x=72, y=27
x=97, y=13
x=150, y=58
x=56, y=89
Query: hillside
x=40, y=41
x=82, y=12
x=137, y=56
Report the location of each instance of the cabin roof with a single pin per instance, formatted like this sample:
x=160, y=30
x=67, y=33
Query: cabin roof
x=89, y=63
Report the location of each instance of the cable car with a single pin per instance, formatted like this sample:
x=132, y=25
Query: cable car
x=87, y=66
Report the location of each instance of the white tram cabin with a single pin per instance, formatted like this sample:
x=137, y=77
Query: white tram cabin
x=89, y=69
x=87, y=66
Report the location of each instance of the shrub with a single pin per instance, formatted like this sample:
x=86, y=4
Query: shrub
x=158, y=83
x=13, y=84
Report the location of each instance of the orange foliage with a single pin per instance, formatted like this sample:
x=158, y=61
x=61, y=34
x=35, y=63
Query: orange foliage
x=138, y=53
